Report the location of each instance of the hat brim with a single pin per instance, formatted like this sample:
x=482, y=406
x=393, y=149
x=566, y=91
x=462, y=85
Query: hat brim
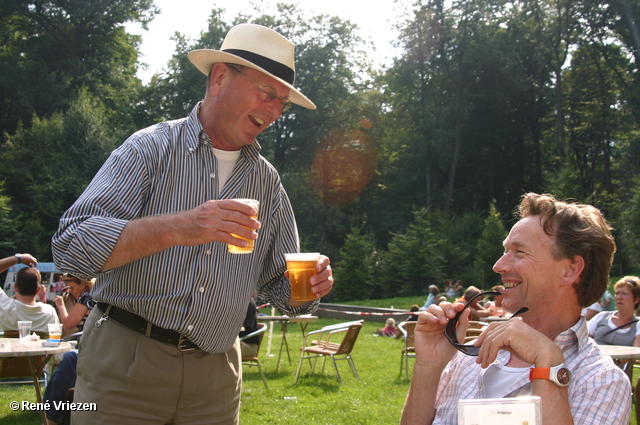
x=204, y=59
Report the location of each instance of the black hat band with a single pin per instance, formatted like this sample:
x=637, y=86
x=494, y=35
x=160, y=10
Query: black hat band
x=276, y=68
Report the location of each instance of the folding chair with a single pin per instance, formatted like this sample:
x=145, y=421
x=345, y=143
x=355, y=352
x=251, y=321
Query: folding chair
x=407, y=329
x=324, y=347
x=253, y=360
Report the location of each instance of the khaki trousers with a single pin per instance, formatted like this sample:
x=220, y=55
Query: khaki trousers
x=133, y=379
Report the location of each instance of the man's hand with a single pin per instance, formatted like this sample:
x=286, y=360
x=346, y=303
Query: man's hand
x=321, y=282
x=29, y=260
x=216, y=221
x=525, y=343
x=431, y=345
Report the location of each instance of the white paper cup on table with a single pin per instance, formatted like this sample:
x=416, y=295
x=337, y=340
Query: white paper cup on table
x=234, y=249
x=55, y=332
x=301, y=267
x=24, y=328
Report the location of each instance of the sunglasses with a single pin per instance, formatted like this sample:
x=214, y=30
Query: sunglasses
x=450, y=330
x=267, y=94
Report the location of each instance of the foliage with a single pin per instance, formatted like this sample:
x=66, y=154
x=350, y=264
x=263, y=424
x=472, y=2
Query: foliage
x=354, y=274
x=48, y=165
x=413, y=260
x=489, y=248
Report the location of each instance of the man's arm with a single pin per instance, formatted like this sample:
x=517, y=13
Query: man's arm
x=27, y=259
x=211, y=221
x=528, y=346
x=433, y=353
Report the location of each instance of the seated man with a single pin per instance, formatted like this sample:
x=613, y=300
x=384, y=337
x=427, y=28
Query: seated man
x=24, y=306
x=557, y=259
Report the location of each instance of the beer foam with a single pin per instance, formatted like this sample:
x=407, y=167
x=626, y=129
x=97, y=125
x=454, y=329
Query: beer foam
x=302, y=256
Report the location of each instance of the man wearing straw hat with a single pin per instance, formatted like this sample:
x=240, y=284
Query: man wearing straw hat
x=161, y=346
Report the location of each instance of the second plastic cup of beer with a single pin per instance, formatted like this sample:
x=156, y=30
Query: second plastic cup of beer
x=234, y=249
x=301, y=267
x=55, y=332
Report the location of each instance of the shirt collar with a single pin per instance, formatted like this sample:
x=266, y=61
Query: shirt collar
x=250, y=151
x=576, y=334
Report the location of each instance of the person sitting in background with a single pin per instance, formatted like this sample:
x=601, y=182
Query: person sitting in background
x=458, y=288
x=619, y=327
x=449, y=291
x=24, y=305
x=477, y=311
x=82, y=303
x=434, y=292
x=607, y=302
x=389, y=329
x=414, y=309
x=495, y=302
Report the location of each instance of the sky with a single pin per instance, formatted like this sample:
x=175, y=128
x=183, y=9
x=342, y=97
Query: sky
x=189, y=17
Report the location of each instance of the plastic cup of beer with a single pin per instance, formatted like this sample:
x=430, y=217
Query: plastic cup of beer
x=55, y=332
x=234, y=249
x=24, y=328
x=301, y=267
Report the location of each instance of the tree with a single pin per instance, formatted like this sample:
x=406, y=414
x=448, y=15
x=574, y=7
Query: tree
x=52, y=49
x=489, y=247
x=413, y=260
x=354, y=274
x=48, y=165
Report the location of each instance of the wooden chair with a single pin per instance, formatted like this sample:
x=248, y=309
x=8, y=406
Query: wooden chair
x=17, y=370
x=253, y=360
x=407, y=329
x=325, y=348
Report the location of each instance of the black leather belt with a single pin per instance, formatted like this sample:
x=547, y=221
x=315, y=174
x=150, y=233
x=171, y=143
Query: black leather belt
x=146, y=328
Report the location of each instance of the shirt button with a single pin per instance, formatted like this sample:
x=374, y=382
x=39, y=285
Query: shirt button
x=190, y=328
x=201, y=289
x=212, y=175
x=190, y=149
x=208, y=252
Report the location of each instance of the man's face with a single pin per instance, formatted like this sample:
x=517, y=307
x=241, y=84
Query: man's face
x=530, y=274
x=240, y=113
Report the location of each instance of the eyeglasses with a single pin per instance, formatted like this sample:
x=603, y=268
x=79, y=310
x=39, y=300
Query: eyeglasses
x=267, y=94
x=450, y=330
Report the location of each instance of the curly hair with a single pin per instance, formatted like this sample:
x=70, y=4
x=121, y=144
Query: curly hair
x=578, y=230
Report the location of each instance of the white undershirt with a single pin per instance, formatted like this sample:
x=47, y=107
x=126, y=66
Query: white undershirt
x=226, y=161
x=498, y=378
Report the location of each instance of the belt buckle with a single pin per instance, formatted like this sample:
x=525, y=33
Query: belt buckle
x=181, y=341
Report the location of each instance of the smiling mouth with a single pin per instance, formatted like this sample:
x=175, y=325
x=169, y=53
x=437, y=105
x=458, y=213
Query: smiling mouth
x=257, y=120
x=511, y=284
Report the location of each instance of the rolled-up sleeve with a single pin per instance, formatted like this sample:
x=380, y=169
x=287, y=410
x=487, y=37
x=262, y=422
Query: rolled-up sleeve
x=90, y=229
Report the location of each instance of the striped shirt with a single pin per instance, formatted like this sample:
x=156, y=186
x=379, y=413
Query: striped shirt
x=599, y=393
x=200, y=291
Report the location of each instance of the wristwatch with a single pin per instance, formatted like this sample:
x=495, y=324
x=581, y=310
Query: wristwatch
x=559, y=375
x=19, y=257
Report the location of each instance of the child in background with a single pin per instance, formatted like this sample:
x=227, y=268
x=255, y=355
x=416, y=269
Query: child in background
x=389, y=330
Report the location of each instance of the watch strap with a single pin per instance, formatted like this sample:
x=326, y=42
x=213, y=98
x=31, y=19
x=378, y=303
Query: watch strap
x=19, y=257
x=539, y=373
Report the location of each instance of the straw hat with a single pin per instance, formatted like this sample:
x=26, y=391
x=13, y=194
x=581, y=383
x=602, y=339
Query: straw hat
x=256, y=47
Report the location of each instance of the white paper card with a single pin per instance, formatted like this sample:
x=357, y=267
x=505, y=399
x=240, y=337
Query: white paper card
x=500, y=411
